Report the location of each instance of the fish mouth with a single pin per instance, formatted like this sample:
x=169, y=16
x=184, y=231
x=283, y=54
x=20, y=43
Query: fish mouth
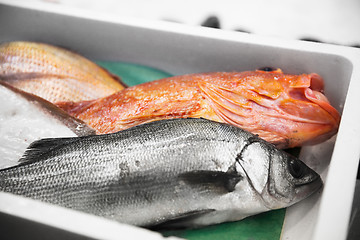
x=288, y=116
x=307, y=188
x=323, y=118
x=308, y=91
x=316, y=178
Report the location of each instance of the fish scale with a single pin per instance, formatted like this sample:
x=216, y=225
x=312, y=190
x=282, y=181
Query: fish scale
x=169, y=173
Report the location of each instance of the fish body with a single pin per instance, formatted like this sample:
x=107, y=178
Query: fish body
x=286, y=110
x=169, y=173
x=54, y=73
x=25, y=118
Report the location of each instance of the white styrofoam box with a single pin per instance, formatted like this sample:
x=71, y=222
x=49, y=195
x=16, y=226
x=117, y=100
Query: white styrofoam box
x=22, y=218
x=332, y=21
x=180, y=49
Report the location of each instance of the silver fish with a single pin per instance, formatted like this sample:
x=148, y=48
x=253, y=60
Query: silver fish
x=25, y=118
x=169, y=173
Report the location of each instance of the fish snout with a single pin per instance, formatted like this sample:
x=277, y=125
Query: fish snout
x=305, y=180
x=311, y=116
x=291, y=181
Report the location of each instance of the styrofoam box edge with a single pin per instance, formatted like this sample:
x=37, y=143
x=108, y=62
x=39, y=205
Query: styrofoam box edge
x=333, y=215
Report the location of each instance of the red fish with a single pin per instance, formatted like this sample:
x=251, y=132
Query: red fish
x=286, y=110
x=54, y=73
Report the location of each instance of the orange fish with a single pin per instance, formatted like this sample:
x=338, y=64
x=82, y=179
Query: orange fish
x=286, y=110
x=54, y=73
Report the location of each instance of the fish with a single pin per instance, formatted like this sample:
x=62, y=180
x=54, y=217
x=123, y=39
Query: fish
x=25, y=118
x=286, y=110
x=173, y=173
x=54, y=73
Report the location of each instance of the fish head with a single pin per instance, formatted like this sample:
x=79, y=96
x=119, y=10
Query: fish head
x=278, y=178
x=309, y=116
x=286, y=110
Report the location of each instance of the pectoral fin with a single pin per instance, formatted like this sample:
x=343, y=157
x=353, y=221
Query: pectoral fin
x=222, y=98
x=213, y=180
x=183, y=220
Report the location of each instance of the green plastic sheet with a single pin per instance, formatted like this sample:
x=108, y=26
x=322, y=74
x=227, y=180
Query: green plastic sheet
x=263, y=226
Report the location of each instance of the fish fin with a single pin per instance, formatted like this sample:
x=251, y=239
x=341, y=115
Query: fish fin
x=183, y=220
x=38, y=148
x=225, y=98
x=214, y=180
x=229, y=106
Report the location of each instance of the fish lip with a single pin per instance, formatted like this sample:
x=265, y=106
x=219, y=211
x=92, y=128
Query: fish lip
x=315, y=93
x=305, y=190
x=312, y=180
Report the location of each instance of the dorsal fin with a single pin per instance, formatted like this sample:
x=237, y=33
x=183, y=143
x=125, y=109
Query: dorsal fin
x=38, y=148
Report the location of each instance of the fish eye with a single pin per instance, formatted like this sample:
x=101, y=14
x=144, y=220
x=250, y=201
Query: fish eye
x=267, y=69
x=296, y=168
